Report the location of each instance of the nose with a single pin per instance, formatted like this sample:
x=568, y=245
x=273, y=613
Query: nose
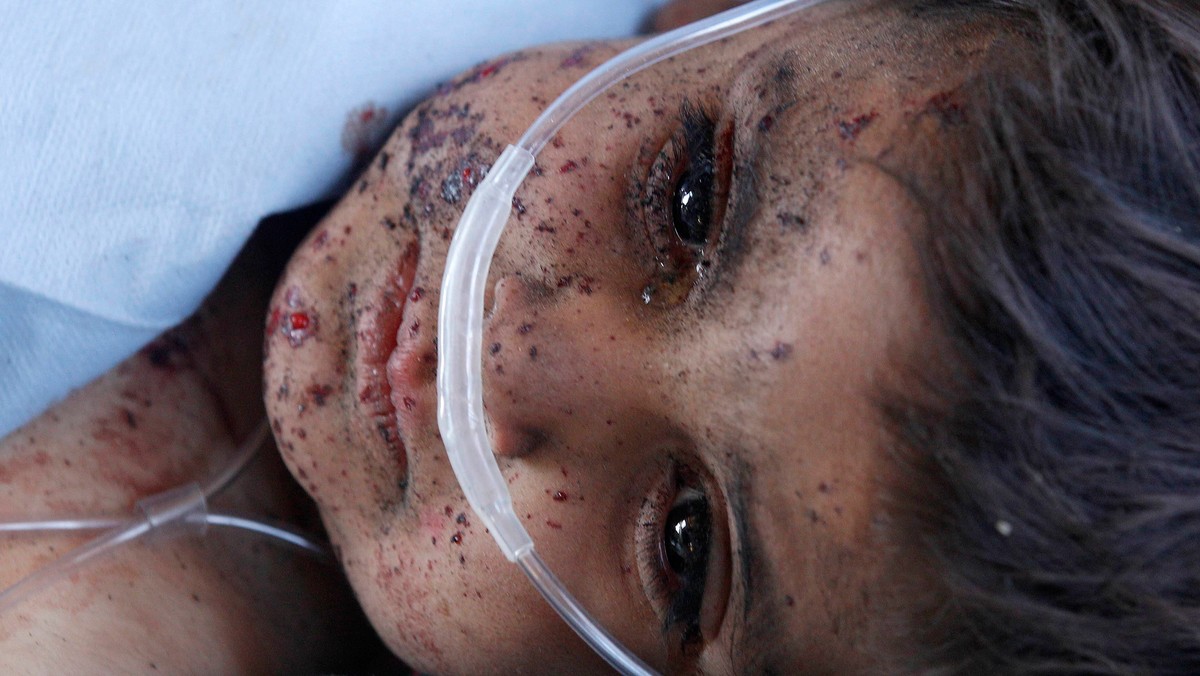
x=561, y=367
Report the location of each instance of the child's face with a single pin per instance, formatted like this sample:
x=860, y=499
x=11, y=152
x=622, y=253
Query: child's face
x=702, y=470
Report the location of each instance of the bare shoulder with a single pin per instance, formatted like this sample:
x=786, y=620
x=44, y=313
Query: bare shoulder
x=171, y=414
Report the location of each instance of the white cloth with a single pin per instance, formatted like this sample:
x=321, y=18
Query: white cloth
x=142, y=141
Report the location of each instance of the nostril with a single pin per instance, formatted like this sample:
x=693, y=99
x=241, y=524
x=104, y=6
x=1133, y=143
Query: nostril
x=516, y=378
x=515, y=442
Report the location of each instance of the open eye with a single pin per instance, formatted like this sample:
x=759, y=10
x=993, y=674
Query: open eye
x=687, y=536
x=684, y=559
x=692, y=198
x=682, y=203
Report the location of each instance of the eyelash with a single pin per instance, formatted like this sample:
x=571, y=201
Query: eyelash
x=681, y=600
x=695, y=156
x=691, y=153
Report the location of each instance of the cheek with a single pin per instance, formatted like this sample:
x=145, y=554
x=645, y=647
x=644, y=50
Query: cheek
x=449, y=602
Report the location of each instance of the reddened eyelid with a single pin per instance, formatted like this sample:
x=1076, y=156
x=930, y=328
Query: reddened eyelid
x=719, y=576
x=723, y=151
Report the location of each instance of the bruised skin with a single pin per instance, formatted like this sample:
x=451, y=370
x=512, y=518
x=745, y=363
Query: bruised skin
x=357, y=284
x=753, y=380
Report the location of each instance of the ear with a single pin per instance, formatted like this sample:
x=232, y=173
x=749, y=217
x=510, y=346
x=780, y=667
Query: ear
x=679, y=12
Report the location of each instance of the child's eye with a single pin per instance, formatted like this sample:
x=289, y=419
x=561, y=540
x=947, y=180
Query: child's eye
x=692, y=198
x=687, y=535
x=682, y=203
x=684, y=559
x=680, y=552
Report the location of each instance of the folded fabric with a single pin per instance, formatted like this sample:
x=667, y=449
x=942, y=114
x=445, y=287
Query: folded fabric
x=143, y=141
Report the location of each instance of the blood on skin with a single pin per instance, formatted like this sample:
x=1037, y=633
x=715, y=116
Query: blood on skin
x=273, y=321
x=298, y=327
x=850, y=129
x=781, y=351
x=485, y=71
x=576, y=58
x=947, y=108
x=376, y=340
x=319, y=393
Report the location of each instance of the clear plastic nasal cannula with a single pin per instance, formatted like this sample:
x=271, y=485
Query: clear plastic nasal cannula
x=460, y=314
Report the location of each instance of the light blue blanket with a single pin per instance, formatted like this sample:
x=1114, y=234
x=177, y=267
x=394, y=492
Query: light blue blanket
x=142, y=141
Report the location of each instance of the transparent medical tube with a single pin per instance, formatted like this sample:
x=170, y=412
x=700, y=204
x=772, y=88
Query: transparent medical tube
x=460, y=314
x=182, y=509
x=61, y=523
x=277, y=531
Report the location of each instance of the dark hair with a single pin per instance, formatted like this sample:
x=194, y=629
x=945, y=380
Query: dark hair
x=1062, y=263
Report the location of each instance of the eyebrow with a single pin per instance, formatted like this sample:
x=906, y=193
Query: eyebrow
x=751, y=653
x=779, y=77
